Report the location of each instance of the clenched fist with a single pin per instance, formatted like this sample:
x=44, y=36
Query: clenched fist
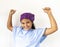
x=12, y=12
x=47, y=10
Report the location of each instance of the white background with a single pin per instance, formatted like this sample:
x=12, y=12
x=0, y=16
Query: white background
x=41, y=19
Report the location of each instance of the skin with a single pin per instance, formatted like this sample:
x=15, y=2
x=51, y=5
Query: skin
x=27, y=24
x=53, y=23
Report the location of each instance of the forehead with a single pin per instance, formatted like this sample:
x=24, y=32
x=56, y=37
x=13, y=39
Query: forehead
x=24, y=20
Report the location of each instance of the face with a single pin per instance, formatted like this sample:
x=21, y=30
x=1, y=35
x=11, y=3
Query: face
x=26, y=24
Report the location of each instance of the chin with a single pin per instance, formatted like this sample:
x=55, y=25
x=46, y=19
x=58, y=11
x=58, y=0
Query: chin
x=26, y=29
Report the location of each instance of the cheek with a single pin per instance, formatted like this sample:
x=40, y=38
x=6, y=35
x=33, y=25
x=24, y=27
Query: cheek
x=22, y=25
x=30, y=25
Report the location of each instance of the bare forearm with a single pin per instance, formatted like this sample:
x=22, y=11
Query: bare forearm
x=53, y=23
x=9, y=22
x=52, y=20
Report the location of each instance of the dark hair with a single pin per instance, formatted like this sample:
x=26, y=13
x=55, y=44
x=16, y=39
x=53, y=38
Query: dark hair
x=33, y=26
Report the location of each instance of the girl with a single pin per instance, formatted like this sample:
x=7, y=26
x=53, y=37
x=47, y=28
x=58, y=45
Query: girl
x=27, y=35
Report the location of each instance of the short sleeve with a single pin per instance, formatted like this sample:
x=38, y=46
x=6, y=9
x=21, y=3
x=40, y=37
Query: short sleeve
x=15, y=30
x=40, y=34
x=43, y=38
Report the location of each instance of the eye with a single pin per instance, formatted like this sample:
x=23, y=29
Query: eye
x=28, y=22
x=23, y=23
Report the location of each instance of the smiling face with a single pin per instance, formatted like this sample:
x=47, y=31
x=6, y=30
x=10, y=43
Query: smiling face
x=26, y=24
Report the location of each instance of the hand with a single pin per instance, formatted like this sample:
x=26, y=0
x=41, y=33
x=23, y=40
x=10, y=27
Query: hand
x=12, y=12
x=47, y=10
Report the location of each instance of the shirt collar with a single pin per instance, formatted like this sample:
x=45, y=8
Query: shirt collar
x=26, y=31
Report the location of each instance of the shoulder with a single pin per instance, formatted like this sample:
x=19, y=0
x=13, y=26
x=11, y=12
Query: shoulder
x=40, y=29
x=16, y=28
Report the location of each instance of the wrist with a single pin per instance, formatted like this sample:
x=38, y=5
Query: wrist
x=10, y=14
x=49, y=13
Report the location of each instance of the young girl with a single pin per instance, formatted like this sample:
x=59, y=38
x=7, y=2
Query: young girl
x=27, y=35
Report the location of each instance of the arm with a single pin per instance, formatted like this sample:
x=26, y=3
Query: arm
x=9, y=22
x=53, y=23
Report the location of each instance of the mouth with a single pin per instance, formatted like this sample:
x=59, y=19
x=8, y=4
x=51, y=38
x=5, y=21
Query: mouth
x=27, y=28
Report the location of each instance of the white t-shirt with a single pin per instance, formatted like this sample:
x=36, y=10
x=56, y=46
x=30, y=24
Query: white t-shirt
x=30, y=38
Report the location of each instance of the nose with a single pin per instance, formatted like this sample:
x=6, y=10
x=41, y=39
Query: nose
x=25, y=24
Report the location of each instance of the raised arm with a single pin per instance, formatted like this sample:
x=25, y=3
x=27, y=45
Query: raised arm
x=9, y=22
x=53, y=23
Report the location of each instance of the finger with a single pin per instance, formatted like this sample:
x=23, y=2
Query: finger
x=12, y=10
x=46, y=8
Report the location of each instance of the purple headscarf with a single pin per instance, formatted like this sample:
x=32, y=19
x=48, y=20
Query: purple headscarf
x=29, y=16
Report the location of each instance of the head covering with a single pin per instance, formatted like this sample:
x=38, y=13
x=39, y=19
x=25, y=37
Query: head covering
x=29, y=16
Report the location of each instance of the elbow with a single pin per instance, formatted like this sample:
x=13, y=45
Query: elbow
x=55, y=29
x=9, y=27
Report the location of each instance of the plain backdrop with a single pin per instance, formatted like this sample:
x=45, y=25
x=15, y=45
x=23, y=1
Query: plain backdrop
x=41, y=19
